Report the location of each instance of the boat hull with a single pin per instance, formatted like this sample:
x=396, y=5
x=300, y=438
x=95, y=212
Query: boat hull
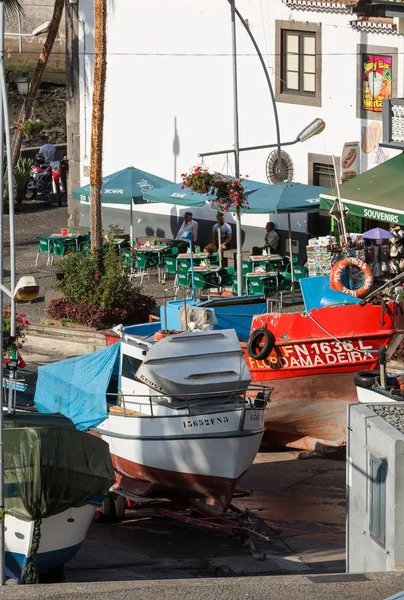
x=311, y=368
x=201, y=456
x=61, y=538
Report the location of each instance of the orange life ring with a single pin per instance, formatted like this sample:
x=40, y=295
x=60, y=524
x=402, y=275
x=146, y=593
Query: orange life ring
x=338, y=270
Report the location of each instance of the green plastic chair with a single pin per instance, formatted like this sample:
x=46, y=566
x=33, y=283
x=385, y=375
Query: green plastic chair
x=145, y=264
x=263, y=285
x=246, y=268
x=129, y=260
x=44, y=247
x=286, y=261
x=206, y=281
x=183, y=265
x=226, y=276
x=299, y=273
x=61, y=247
x=182, y=280
x=170, y=263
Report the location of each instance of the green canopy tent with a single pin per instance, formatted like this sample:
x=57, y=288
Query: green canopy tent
x=377, y=194
x=263, y=198
x=123, y=187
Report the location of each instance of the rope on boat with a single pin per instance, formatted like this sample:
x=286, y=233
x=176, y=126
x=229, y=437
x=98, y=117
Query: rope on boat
x=347, y=345
x=30, y=574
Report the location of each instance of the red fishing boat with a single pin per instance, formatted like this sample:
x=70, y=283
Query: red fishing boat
x=310, y=358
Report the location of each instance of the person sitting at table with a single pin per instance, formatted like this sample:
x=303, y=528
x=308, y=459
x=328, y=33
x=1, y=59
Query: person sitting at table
x=188, y=225
x=271, y=241
x=225, y=235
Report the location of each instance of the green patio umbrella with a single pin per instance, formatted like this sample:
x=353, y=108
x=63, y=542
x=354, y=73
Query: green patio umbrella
x=123, y=187
x=263, y=198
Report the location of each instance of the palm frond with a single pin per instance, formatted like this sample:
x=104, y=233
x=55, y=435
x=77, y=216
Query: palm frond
x=12, y=7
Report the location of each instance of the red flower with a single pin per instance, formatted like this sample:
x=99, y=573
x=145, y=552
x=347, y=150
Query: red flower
x=96, y=275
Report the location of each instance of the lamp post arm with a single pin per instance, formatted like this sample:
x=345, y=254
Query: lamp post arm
x=271, y=90
x=248, y=148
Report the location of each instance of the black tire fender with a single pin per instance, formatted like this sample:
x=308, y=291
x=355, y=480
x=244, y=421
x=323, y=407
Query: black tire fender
x=366, y=379
x=255, y=338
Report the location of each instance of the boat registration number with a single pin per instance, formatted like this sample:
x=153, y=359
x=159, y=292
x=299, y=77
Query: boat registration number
x=253, y=419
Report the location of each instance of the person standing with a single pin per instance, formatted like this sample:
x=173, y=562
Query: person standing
x=221, y=235
x=188, y=225
x=47, y=150
x=271, y=240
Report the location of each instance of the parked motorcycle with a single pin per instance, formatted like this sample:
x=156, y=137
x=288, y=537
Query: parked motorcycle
x=47, y=179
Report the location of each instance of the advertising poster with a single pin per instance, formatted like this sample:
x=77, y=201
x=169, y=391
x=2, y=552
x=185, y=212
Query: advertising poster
x=376, y=81
x=350, y=166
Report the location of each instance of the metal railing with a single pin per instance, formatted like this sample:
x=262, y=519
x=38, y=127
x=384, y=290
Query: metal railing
x=243, y=394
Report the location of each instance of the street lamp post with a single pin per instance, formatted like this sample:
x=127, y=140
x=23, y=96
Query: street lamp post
x=236, y=146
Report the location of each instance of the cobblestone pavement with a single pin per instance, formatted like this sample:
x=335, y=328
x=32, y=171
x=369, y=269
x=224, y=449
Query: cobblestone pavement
x=30, y=221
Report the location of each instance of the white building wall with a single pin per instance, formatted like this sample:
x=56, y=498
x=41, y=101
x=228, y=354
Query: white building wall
x=169, y=86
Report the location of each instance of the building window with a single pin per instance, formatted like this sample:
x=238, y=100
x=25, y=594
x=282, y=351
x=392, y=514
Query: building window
x=377, y=475
x=377, y=79
x=298, y=63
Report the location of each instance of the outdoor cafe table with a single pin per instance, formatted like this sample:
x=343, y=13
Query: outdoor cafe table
x=259, y=276
x=64, y=238
x=151, y=249
x=259, y=259
x=199, y=256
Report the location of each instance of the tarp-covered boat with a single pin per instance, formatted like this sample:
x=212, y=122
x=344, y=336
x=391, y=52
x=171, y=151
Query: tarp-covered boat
x=55, y=476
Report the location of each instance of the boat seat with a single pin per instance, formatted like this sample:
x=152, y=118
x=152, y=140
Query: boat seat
x=114, y=409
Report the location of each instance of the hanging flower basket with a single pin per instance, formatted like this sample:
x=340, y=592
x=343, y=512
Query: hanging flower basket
x=199, y=180
x=230, y=193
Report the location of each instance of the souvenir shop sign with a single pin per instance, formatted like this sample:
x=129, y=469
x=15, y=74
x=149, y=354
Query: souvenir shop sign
x=376, y=194
x=376, y=80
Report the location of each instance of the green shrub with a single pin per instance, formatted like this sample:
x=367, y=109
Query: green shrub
x=97, y=289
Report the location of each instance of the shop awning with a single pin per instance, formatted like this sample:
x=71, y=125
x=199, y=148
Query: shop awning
x=377, y=194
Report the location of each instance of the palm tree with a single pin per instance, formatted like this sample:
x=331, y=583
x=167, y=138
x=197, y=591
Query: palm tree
x=38, y=73
x=97, y=126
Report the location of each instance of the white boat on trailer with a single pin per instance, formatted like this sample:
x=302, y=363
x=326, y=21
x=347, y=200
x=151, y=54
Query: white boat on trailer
x=179, y=425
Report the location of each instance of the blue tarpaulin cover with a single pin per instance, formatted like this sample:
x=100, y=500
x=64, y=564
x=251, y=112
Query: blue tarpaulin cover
x=76, y=387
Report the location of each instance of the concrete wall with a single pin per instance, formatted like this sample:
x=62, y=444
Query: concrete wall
x=369, y=434
x=36, y=12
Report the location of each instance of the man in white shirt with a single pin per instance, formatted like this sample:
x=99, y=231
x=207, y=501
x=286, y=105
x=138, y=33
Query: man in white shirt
x=48, y=150
x=271, y=240
x=188, y=225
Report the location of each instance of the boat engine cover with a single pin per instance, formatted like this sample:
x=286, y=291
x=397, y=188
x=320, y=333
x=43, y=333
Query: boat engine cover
x=194, y=365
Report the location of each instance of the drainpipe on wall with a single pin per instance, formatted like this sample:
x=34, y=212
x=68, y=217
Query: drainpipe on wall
x=73, y=108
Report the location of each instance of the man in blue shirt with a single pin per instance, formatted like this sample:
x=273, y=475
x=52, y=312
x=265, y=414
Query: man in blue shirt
x=225, y=235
